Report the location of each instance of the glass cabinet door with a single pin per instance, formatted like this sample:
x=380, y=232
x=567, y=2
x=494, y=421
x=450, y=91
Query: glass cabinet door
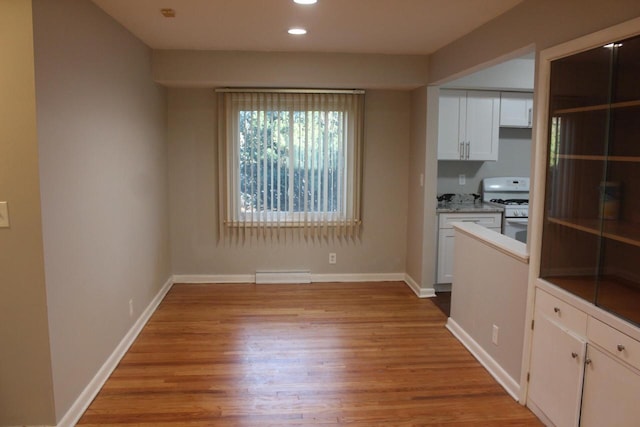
x=591, y=232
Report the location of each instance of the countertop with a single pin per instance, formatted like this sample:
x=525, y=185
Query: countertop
x=457, y=207
x=500, y=242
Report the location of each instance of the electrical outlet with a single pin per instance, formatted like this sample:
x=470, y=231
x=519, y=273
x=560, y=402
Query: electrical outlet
x=130, y=308
x=462, y=179
x=332, y=258
x=4, y=215
x=494, y=335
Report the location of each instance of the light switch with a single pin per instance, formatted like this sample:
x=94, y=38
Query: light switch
x=462, y=179
x=4, y=215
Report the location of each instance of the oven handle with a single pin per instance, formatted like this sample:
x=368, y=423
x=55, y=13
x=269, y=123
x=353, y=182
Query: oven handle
x=517, y=220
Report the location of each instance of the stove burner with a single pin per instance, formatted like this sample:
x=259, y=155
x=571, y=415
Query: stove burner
x=510, y=201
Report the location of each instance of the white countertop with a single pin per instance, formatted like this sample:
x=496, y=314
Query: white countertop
x=507, y=245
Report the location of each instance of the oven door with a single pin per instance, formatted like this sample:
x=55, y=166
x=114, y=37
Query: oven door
x=516, y=228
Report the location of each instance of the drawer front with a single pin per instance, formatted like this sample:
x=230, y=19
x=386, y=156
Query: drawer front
x=486, y=220
x=563, y=314
x=619, y=345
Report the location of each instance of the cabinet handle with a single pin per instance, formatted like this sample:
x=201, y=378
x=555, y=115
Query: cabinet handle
x=468, y=149
x=574, y=354
x=587, y=361
x=461, y=150
x=530, y=116
x=556, y=310
x=620, y=347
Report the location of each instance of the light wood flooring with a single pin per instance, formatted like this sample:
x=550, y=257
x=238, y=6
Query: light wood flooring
x=366, y=354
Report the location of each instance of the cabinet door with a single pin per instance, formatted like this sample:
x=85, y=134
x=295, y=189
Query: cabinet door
x=446, y=240
x=451, y=124
x=445, y=255
x=610, y=395
x=516, y=109
x=483, y=114
x=557, y=365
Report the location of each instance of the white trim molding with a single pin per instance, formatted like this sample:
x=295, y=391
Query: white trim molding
x=214, y=278
x=315, y=278
x=443, y=287
x=501, y=376
x=95, y=385
x=365, y=277
x=419, y=291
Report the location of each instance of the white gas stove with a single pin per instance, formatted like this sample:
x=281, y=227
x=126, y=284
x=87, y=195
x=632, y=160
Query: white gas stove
x=512, y=194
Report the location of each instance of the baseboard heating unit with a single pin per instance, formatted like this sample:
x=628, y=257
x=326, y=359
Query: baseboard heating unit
x=283, y=276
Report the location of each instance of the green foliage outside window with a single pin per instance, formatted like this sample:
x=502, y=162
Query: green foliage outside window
x=291, y=161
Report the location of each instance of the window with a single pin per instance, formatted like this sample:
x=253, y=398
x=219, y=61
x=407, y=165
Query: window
x=290, y=160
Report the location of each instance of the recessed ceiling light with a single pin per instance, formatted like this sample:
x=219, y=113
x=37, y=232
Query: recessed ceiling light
x=305, y=1
x=168, y=13
x=297, y=31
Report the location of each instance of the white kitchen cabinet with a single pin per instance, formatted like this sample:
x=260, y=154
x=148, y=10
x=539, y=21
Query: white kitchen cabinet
x=516, y=109
x=446, y=238
x=468, y=125
x=611, y=391
x=445, y=255
x=557, y=365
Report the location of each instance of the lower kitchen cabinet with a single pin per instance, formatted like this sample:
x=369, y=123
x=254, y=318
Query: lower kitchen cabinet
x=446, y=238
x=582, y=371
x=445, y=255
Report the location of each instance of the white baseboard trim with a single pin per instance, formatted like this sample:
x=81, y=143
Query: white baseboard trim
x=443, y=287
x=214, y=278
x=91, y=390
x=420, y=292
x=367, y=277
x=489, y=363
x=315, y=278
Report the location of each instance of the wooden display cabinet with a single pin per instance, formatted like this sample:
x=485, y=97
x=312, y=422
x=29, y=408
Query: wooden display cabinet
x=591, y=235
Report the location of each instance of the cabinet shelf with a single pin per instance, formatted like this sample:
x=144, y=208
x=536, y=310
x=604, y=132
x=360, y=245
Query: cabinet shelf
x=631, y=159
x=599, y=107
x=621, y=231
x=614, y=294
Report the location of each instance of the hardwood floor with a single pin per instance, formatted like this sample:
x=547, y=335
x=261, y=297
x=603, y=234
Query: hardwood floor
x=366, y=354
x=442, y=300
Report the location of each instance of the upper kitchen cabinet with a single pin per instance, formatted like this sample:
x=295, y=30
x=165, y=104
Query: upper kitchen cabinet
x=516, y=109
x=468, y=125
x=591, y=235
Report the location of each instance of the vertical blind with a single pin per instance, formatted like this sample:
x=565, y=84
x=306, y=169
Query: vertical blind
x=290, y=162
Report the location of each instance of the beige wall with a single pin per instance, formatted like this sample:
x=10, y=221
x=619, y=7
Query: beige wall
x=103, y=174
x=480, y=298
x=430, y=226
x=544, y=23
x=415, y=213
x=278, y=69
x=26, y=393
x=193, y=197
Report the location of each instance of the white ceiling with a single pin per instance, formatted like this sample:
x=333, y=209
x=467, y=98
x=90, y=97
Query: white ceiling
x=350, y=26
